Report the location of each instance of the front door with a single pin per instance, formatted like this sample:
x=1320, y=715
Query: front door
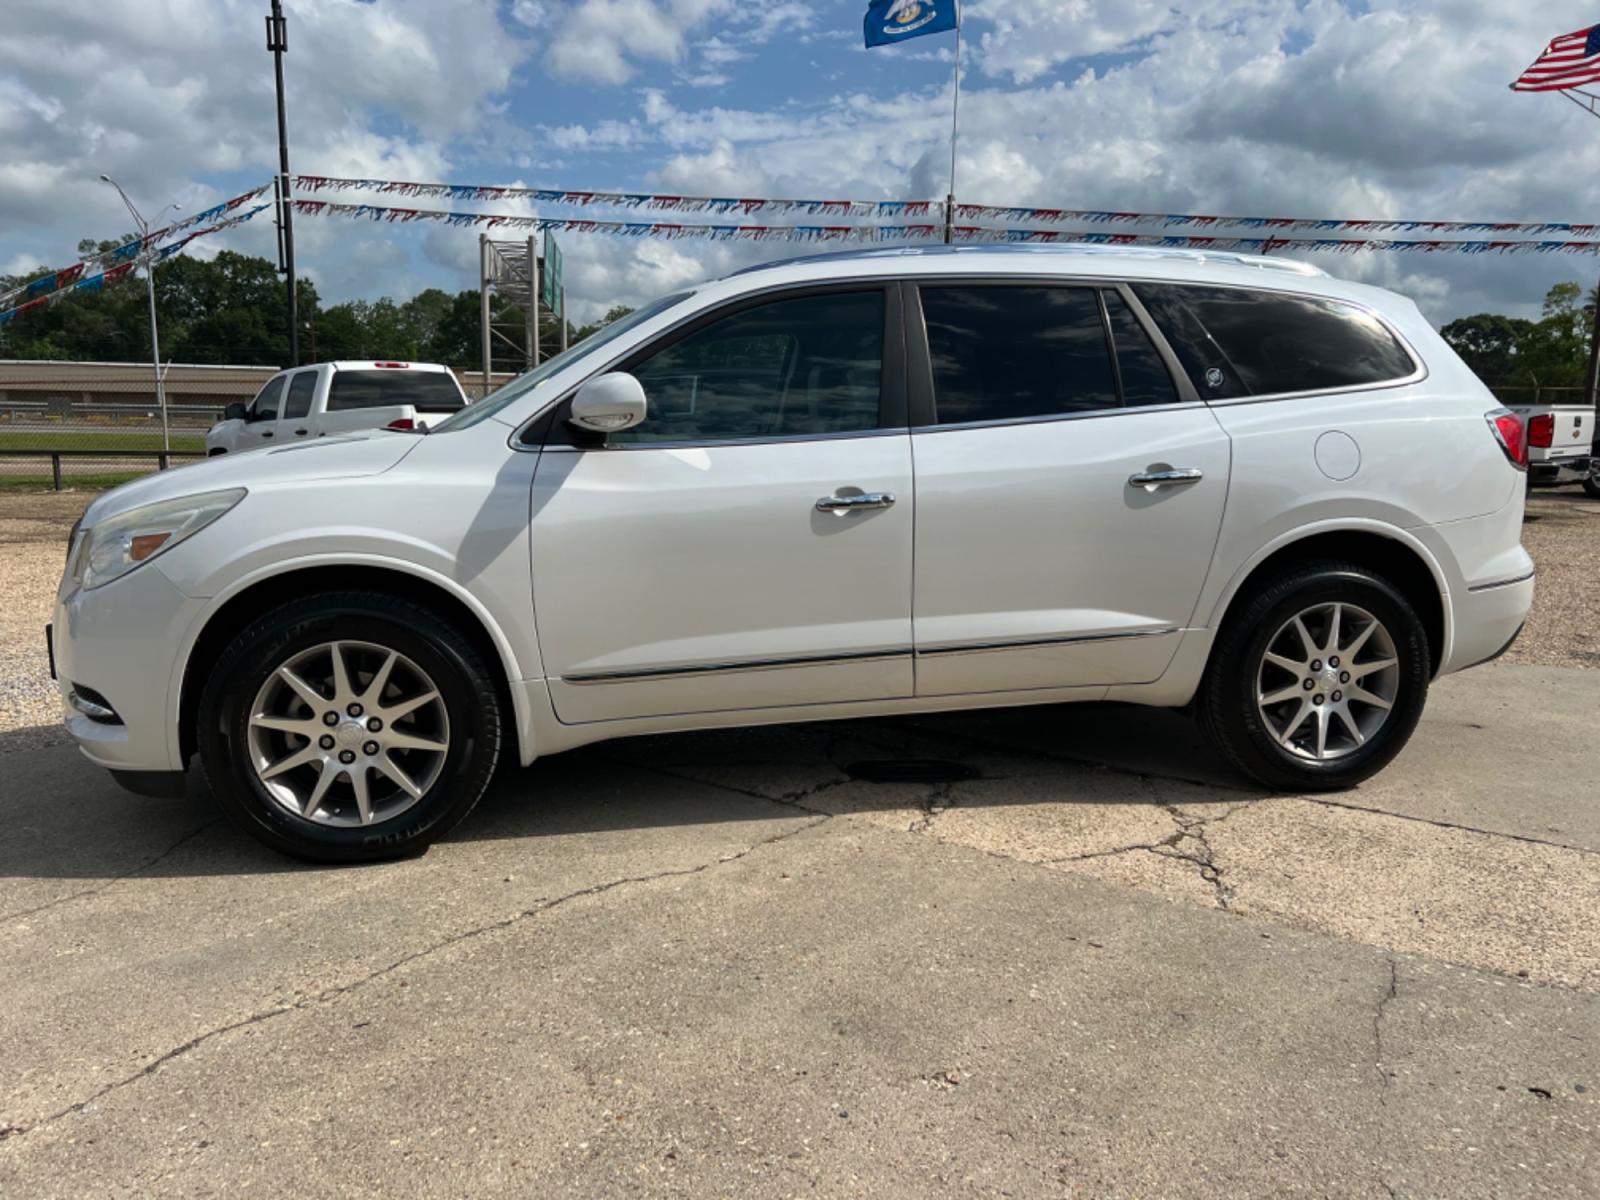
x=748, y=545
x=261, y=417
x=1069, y=490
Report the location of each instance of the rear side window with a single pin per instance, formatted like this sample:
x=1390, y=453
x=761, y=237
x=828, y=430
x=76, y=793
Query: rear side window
x=1141, y=370
x=426, y=391
x=1007, y=353
x=301, y=388
x=1237, y=342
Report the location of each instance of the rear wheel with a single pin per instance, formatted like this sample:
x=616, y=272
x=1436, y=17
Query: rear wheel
x=351, y=727
x=1317, y=679
x=1591, y=481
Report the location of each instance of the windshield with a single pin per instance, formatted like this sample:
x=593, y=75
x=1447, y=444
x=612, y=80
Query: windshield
x=523, y=384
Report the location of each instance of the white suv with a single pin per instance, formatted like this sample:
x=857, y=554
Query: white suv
x=882, y=482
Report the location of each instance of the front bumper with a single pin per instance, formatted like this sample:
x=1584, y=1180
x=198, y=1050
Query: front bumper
x=121, y=642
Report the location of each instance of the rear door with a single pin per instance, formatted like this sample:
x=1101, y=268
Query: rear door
x=1070, y=487
x=749, y=545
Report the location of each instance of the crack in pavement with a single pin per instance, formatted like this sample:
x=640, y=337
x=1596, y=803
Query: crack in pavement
x=937, y=802
x=538, y=908
x=1385, y=1076
x=113, y=880
x=1440, y=823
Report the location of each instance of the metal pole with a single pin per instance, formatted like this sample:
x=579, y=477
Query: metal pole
x=483, y=302
x=155, y=352
x=533, y=304
x=278, y=43
x=955, y=113
x=563, y=318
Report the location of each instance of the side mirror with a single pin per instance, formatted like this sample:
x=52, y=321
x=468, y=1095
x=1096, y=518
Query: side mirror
x=234, y=412
x=609, y=404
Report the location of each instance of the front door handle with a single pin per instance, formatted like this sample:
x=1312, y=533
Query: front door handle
x=1171, y=477
x=844, y=504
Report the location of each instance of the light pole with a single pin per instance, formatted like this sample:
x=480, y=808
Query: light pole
x=150, y=284
x=278, y=44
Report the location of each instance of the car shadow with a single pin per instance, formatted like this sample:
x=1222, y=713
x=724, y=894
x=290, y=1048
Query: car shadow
x=64, y=818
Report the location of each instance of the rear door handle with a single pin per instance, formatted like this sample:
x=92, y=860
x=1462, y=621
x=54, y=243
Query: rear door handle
x=300, y=432
x=840, y=504
x=1172, y=477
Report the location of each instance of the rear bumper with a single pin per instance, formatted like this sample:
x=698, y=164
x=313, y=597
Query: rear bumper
x=1560, y=470
x=1488, y=618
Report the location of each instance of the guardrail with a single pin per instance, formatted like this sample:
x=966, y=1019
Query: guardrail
x=163, y=457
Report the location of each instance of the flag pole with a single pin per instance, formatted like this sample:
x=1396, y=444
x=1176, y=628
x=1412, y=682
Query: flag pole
x=955, y=114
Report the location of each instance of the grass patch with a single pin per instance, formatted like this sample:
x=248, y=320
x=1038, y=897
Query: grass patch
x=68, y=439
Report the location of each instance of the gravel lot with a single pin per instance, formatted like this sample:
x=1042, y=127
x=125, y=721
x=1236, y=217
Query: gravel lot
x=1562, y=533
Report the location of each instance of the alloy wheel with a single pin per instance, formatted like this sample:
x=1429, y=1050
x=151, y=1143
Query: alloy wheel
x=348, y=734
x=1327, y=681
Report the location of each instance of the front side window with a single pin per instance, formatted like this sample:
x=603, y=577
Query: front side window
x=788, y=368
x=382, y=387
x=1004, y=353
x=301, y=388
x=265, y=406
x=1238, y=342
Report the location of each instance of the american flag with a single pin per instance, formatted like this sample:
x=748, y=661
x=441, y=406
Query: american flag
x=1570, y=61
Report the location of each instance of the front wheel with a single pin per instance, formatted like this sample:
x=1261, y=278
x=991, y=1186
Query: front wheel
x=349, y=728
x=1318, y=678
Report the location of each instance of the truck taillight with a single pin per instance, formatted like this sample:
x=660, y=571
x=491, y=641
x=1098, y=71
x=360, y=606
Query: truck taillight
x=398, y=365
x=402, y=424
x=1507, y=429
x=1542, y=430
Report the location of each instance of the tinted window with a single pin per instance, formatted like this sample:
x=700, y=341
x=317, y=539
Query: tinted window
x=786, y=369
x=426, y=391
x=301, y=388
x=1237, y=342
x=1003, y=353
x=1140, y=368
x=265, y=406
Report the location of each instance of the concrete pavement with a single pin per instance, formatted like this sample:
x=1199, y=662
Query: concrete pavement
x=724, y=963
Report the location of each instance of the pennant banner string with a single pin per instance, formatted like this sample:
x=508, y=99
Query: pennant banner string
x=892, y=209
x=127, y=252
x=927, y=231
x=74, y=279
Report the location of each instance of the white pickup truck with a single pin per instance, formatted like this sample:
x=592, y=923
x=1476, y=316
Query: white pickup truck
x=337, y=397
x=1561, y=439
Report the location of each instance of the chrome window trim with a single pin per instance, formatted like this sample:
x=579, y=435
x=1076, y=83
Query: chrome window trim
x=1086, y=415
x=1036, y=643
x=729, y=668
x=896, y=431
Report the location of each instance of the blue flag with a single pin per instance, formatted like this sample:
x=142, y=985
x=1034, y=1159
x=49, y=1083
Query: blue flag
x=890, y=21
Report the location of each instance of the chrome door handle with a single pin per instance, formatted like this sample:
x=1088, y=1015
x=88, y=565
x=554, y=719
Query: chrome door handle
x=838, y=504
x=1175, y=477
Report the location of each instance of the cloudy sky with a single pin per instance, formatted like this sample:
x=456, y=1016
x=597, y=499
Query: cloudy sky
x=1324, y=108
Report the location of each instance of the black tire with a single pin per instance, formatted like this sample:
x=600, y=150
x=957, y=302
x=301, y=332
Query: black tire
x=1591, y=482
x=464, y=682
x=1227, y=701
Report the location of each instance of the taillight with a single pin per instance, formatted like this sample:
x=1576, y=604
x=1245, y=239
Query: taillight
x=402, y=366
x=401, y=423
x=1542, y=430
x=1507, y=429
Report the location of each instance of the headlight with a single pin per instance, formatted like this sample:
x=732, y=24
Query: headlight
x=119, y=544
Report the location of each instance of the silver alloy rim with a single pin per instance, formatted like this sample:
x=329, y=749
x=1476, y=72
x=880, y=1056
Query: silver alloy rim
x=348, y=734
x=1327, y=681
